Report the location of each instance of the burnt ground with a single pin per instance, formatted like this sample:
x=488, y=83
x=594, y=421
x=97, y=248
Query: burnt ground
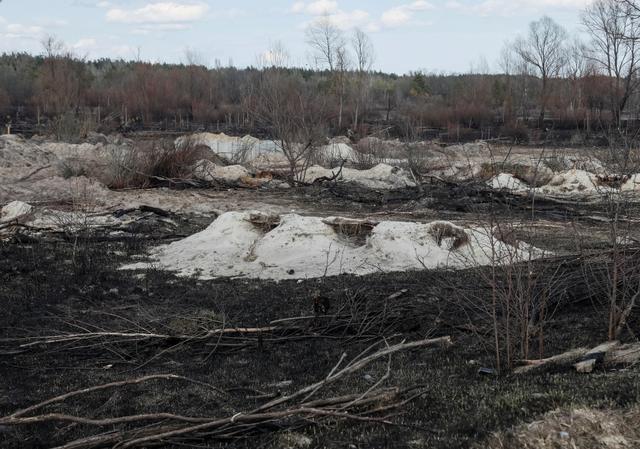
x=54, y=285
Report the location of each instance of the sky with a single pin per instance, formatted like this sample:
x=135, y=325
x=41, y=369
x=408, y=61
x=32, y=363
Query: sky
x=450, y=36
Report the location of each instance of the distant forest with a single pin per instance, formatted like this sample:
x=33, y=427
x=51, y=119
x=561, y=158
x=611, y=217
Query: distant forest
x=548, y=82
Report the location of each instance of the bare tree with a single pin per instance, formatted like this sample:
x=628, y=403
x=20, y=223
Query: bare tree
x=330, y=51
x=507, y=65
x=543, y=49
x=326, y=41
x=365, y=56
x=295, y=115
x=341, y=79
x=615, y=30
x=276, y=56
x=577, y=66
x=363, y=49
x=58, y=79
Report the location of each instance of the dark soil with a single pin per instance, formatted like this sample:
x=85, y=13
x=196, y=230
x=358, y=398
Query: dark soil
x=54, y=285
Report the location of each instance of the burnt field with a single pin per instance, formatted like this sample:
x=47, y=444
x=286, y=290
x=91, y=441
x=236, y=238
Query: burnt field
x=95, y=356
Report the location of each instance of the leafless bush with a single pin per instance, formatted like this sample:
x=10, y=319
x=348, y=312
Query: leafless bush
x=296, y=116
x=71, y=127
x=369, y=153
x=243, y=153
x=514, y=297
x=148, y=163
x=618, y=285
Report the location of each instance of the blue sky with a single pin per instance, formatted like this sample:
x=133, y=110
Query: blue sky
x=430, y=35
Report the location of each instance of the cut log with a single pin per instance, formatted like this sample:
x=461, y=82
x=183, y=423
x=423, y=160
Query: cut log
x=624, y=355
x=585, y=360
x=586, y=366
x=566, y=358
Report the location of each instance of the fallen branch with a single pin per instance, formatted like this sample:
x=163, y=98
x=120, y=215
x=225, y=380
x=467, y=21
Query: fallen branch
x=585, y=360
x=166, y=426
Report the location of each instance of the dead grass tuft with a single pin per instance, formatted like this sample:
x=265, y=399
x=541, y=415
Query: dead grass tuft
x=580, y=428
x=444, y=230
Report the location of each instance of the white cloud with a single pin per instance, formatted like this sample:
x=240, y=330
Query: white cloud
x=510, y=7
x=403, y=14
x=349, y=19
x=330, y=10
x=52, y=23
x=17, y=30
x=148, y=29
x=316, y=8
x=159, y=13
x=84, y=44
x=395, y=17
x=123, y=51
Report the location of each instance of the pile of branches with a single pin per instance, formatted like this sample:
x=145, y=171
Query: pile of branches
x=378, y=404
x=356, y=319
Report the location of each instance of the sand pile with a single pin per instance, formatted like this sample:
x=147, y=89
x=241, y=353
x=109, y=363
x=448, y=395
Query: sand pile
x=632, y=184
x=209, y=171
x=241, y=150
x=254, y=245
x=509, y=182
x=336, y=152
x=15, y=211
x=20, y=158
x=382, y=176
x=572, y=182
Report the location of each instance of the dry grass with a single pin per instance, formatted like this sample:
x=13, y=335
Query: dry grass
x=580, y=428
x=151, y=161
x=442, y=229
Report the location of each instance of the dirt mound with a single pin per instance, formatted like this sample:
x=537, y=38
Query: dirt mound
x=335, y=152
x=256, y=245
x=237, y=150
x=209, y=171
x=574, y=162
x=19, y=158
x=76, y=190
x=581, y=428
x=509, y=182
x=15, y=210
x=574, y=181
x=475, y=149
x=632, y=184
x=382, y=176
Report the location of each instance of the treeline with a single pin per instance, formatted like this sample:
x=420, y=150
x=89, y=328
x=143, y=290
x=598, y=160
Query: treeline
x=547, y=81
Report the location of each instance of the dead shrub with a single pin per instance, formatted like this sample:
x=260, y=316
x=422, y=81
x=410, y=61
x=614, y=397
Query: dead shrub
x=70, y=127
x=581, y=428
x=535, y=175
x=369, y=153
x=149, y=163
x=441, y=230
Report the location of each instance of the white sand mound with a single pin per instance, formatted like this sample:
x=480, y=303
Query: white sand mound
x=574, y=181
x=208, y=171
x=236, y=149
x=338, y=152
x=14, y=211
x=509, y=182
x=310, y=247
x=578, y=162
x=382, y=176
x=20, y=158
x=632, y=184
x=474, y=149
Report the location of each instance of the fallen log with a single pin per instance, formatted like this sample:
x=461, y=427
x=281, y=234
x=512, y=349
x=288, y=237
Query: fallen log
x=584, y=360
x=298, y=408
